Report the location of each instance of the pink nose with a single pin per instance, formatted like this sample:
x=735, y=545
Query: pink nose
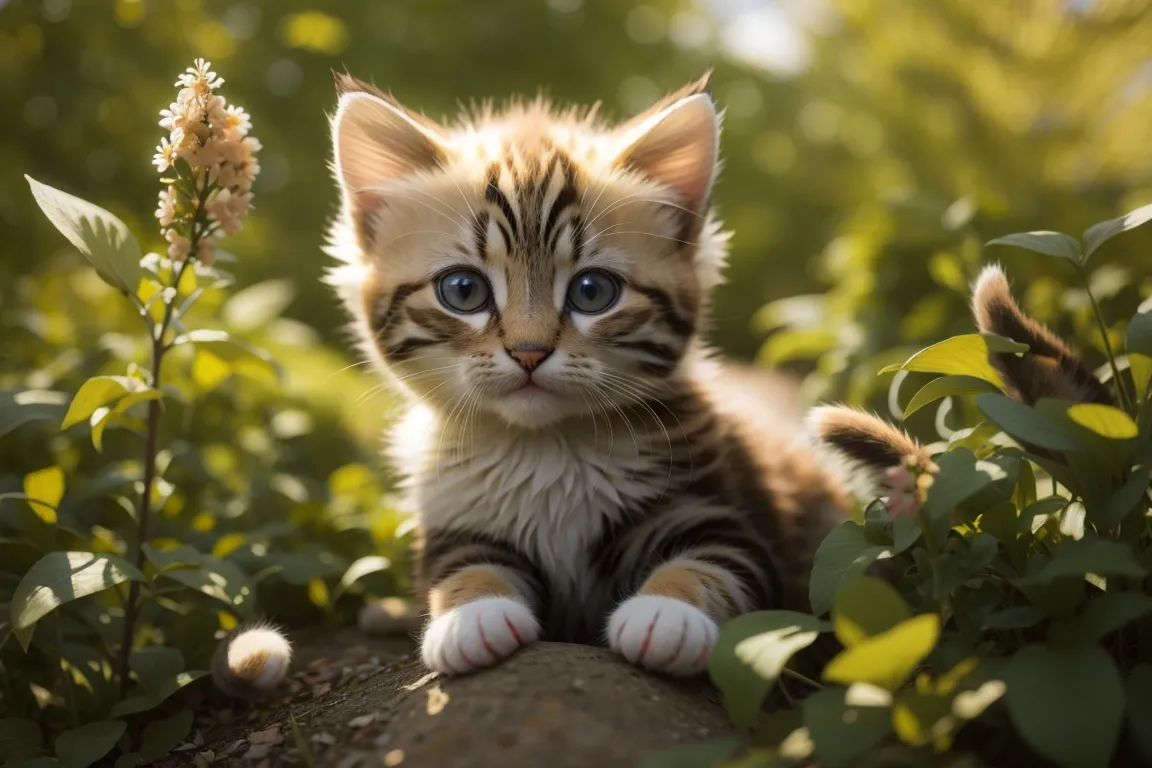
x=529, y=356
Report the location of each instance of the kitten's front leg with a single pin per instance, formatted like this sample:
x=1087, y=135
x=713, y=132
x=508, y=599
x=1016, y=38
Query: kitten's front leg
x=480, y=602
x=671, y=624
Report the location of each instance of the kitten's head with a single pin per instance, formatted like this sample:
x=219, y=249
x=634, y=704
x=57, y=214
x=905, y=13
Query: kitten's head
x=531, y=263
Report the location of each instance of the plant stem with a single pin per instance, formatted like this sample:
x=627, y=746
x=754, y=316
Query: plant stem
x=144, y=512
x=1120, y=388
x=787, y=672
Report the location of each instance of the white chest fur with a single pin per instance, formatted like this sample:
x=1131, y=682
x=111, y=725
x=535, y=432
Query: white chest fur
x=552, y=492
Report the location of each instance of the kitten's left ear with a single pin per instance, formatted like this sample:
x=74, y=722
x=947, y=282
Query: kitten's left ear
x=676, y=143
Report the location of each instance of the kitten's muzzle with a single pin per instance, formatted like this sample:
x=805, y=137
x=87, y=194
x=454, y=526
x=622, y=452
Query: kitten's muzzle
x=529, y=356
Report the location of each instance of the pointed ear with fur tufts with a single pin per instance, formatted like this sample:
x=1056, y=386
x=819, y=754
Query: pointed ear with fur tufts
x=376, y=140
x=1049, y=368
x=676, y=143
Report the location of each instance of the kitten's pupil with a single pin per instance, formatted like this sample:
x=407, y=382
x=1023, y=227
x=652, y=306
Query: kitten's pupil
x=589, y=289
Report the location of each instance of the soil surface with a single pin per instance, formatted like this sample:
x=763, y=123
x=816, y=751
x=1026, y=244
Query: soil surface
x=360, y=702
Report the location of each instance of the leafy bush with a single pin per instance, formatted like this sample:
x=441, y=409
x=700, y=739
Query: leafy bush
x=1017, y=623
x=177, y=498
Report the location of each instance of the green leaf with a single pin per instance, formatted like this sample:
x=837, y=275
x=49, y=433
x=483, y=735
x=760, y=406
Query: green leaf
x=104, y=416
x=1026, y=424
x=1109, y=612
x=1125, y=499
x=1139, y=691
x=703, y=755
x=44, y=489
x=1138, y=345
x=259, y=305
x=1067, y=703
x=59, y=578
x=1098, y=234
x=83, y=746
x=1048, y=243
x=358, y=570
x=219, y=579
x=1105, y=420
x=947, y=386
x=888, y=659
x=843, y=731
x=751, y=652
x=19, y=738
x=1090, y=554
x=160, y=736
x=961, y=477
x=1016, y=617
x=844, y=553
x=243, y=357
x=156, y=663
x=154, y=696
x=99, y=391
x=866, y=607
x=20, y=407
x=95, y=232
x=965, y=355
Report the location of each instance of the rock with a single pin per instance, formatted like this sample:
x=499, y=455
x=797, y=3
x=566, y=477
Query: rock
x=553, y=705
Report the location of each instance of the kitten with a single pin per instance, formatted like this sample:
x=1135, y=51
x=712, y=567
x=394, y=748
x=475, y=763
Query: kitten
x=537, y=282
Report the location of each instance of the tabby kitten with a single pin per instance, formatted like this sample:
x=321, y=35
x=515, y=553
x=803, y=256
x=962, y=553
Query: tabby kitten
x=584, y=470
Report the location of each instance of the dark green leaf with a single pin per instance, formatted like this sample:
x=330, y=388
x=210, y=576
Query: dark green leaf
x=1138, y=345
x=156, y=663
x=1139, y=690
x=1048, y=243
x=865, y=607
x=704, y=755
x=1090, y=554
x=1098, y=234
x=60, y=577
x=1067, y=703
x=219, y=579
x=961, y=476
x=95, y=232
x=1026, y=424
x=20, y=407
x=1017, y=617
x=842, y=731
x=19, y=738
x=153, y=697
x=947, y=386
x=81, y=747
x=1109, y=612
x=160, y=736
x=750, y=653
x=1125, y=499
x=842, y=554
x=1042, y=508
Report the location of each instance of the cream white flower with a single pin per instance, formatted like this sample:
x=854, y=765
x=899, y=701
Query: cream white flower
x=211, y=136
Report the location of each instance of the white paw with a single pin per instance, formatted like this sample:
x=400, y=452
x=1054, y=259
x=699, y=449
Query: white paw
x=477, y=635
x=662, y=634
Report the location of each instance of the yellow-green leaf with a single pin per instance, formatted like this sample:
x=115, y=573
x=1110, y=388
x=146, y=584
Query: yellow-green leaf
x=947, y=386
x=1105, y=420
x=965, y=355
x=1045, y=242
x=98, y=391
x=866, y=607
x=888, y=659
x=208, y=370
x=44, y=489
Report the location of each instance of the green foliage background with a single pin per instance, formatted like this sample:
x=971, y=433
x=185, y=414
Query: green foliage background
x=860, y=191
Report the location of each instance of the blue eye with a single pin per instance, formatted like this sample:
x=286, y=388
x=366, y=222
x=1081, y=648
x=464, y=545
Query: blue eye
x=593, y=292
x=463, y=291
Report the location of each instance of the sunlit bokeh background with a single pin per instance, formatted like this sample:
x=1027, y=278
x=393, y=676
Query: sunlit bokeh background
x=871, y=147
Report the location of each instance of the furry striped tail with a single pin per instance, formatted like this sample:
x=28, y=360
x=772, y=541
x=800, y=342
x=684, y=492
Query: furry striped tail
x=251, y=661
x=1049, y=368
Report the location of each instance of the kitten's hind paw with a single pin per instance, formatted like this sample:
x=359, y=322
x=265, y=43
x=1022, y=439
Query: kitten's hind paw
x=477, y=634
x=662, y=634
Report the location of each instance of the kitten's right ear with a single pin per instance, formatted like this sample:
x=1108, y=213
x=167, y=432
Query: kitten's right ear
x=376, y=141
